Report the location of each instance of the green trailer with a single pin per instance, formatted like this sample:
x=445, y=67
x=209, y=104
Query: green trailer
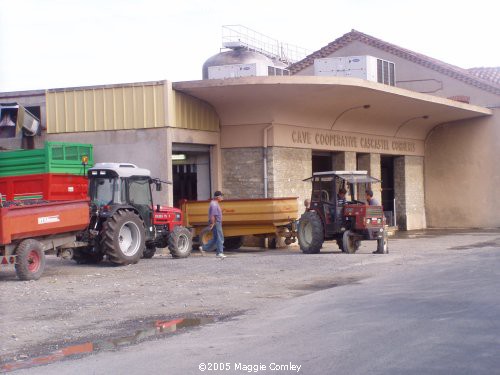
x=54, y=157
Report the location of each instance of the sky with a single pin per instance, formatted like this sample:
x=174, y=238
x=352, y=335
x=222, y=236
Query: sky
x=66, y=43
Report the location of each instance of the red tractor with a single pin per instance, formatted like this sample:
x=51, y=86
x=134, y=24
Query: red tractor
x=346, y=220
x=124, y=223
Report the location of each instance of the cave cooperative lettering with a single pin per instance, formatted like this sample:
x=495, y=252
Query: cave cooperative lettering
x=351, y=141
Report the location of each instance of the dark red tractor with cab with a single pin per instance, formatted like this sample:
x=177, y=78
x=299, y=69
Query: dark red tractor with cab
x=348, y=220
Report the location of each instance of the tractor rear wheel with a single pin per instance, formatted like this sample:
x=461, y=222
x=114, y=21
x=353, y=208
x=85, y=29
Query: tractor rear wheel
x=310, y=233
x=349, y=242
x=30, y=260
x=122, y=237
x=180, y=242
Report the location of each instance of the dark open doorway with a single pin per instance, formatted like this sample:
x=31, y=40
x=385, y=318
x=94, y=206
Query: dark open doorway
x=321, y=161
x=191, y=172
x=387, y=174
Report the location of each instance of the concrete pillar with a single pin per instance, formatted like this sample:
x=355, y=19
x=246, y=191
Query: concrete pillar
x=344, y=161
x=371, y=163
x=409, y=192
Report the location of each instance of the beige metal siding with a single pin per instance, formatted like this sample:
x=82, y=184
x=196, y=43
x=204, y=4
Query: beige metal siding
x=135, y=106
x=192, y=113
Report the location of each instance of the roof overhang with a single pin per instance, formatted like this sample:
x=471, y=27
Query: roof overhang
x=330, y=103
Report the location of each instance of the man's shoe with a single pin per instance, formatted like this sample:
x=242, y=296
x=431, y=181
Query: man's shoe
x=221, y=256
x=202, y=252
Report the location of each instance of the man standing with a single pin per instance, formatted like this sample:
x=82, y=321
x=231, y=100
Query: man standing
x=215, y=225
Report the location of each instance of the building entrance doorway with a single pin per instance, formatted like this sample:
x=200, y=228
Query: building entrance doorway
x=321, y=161
x=387, y=174
x=191, y=172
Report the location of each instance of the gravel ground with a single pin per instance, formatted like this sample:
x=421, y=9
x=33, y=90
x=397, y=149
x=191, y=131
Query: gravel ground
x=76, y=303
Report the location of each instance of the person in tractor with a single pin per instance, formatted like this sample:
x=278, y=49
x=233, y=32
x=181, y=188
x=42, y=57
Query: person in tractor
x=370, y=200
x=341, y=199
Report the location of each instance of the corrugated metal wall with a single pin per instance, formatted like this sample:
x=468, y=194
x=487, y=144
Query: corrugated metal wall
x=192, y=113
x=136, y=106
x=123, y=107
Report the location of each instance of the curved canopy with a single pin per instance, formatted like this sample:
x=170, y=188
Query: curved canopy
x=330, y=103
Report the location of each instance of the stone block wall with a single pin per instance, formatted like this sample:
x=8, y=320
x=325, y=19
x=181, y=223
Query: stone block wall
x=409, y=192
x=243, y=172
x=344, y=161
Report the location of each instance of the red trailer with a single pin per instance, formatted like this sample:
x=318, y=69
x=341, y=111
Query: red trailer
x=46, y=186
x=27, y=232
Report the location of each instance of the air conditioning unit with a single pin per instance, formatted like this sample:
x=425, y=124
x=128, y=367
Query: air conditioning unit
x=236, y=70
x=365, y=67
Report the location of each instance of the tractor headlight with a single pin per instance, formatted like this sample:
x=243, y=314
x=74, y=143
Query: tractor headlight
x=178, y=217
x=368, y=220
x=379, y=221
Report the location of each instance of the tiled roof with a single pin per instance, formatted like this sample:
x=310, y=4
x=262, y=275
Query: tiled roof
x=460, y=74
x=489, y=74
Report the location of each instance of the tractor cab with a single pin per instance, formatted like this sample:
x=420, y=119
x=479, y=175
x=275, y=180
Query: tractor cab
x=339, y=212
x=113, y=186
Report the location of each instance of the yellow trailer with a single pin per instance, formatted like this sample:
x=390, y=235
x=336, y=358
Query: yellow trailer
x=269, y=217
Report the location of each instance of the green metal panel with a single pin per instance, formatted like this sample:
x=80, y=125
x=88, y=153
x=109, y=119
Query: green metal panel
x=55, y=157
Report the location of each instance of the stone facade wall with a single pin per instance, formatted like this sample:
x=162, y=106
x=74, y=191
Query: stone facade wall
x=243, y=172
x=409, y=192
x=243, y=176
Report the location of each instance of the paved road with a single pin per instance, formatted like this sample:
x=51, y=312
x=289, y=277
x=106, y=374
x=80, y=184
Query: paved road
x=439, y=316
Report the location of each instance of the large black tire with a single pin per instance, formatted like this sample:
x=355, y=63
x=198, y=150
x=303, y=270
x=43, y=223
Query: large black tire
x=349, y=243
x=310, y=233
x=180, y=242
x=122, y=238
x=30, y=260
x=149, y=251
x=233, y=243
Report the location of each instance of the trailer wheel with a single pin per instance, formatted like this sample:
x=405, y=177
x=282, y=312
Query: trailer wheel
x=149, y=251
x=349, y=243
x=30, y=260
x=310, y=233
x=233, y=243
x=180, y=242
x=122, y=237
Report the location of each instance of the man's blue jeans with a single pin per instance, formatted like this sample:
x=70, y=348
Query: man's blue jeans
x=217, y=240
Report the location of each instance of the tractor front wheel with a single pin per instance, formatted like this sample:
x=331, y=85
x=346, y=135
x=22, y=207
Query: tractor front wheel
x=310, y=233
x=180, y=242
x=349, y=242
x=383, y=245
